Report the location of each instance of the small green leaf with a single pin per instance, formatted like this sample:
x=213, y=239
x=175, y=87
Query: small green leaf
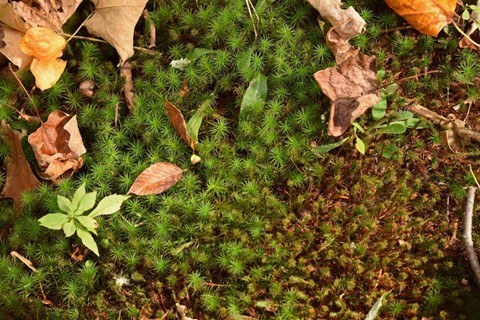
x=397, y=127
x=260, y=7
x=256, y=92
x=78, y=195
x=379, y=110
x=412, y=123
x=64, y=204
x=197, y=53
x=193, y=125
x=466, y=14
x=88, y=222
x=360, y=145
x=69, y=228
x=390, y=90
x=358, y=127
x=176, y=251
x=404, y=115
x=373, y=313
x=87, y=240
x=86, y=203
x=108, y=205
x=53, y=221
x=328, y=147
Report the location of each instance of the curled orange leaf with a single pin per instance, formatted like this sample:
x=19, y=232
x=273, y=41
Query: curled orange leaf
x=45, y=46
x=427, y=16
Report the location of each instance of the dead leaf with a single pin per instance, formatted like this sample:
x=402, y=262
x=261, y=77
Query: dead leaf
x=156, y=179
x=25, y=261
x=86, y=88
x=185, y=90
x=178, y=122
x=20, y=177
x=48, y=14
x=12, y=51
x=126, y=72
x=114, y=21
x=58, y=145
x=10, y=18
x=2, y=35
x=333, y=12
x=352, y=87
x=45, y=46
x=427, y=16
x=79, y=254
x=182, y=311
x=339, y=46
x=146, y=312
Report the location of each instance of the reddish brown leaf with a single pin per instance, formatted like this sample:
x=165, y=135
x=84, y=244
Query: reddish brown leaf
x=352, y=88
x=58, y=145
x=156, y=179
x=178, y=122
x=427, y=16
x=20, y=177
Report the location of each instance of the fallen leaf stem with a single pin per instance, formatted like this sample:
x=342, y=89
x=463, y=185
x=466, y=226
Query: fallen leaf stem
x=144, y=50
x=79, y=27
x=465, y=35
x=26, y=92
x=467, y=235
x=416, y=76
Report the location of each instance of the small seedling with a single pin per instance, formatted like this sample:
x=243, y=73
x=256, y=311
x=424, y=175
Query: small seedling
x=74, y=219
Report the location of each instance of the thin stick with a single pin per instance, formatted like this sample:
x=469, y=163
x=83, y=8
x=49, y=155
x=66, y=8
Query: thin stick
x=396, y=29
x=153, y=32
x=417, y=75
x=467, y=235
x=465, y=35
x=144, y=50
x=249, y=3
x=473, y=175
x=26, y=92
x=78, y=29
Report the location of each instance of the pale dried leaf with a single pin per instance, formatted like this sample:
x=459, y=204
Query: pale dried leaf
x=427, y=16
x=182, y=311
x=49, y=14
x=10, y=18
x=352, y=88
x=20, y=177
x=86, y=88
x=114, y=21
x=340, y=47
x=128, y=91
x=12, y=51
x=58, y=145
x=178, y=122
x=25, y=261
x=333, y=12
x=156, y=179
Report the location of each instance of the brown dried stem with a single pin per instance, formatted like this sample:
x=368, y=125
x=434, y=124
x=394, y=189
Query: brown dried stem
x=467, y=235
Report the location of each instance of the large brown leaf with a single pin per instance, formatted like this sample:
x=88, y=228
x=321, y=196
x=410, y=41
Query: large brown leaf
x=50, y=14
x=20, y=177
x=12, y=51
x=178, y=122
x=114, y=21
x=427, y=16
x=58, y=145
x=352, y=88
x=156, y=179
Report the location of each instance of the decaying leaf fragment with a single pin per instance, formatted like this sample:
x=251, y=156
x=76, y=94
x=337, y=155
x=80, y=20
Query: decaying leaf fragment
x=178, y=122
x=58, y=145
x=20, y=177
x=427, y=16
x=128, y=89
x=333, y=12
x=45, y=46
x=156, y=179
x=352, y=88
x=114, y=21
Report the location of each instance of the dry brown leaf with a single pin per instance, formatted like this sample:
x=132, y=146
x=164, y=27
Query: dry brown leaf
x=86, y=88
x=352, y=88
x=156, y=179
x=10, y=18
x=427, y=16
x=50, y=14
x=333, y=12
x=58, y=145
x=2, y=35
x=25, y=261
x=126, y=72
x=12, y=50
x=340, y=47
x=45, y=46
x=20, y=177
x=178, y=122
x=114, y=21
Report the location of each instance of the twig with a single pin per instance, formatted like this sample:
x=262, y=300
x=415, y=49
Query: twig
x=153, y=32
x=418, y=75
x=441, y=120
x=25, y=261
x=473, y=175
x=465, y=35
x=396, y=29
x=467, y=235
x=144, y=50
x=26, y=92
x=81, y=25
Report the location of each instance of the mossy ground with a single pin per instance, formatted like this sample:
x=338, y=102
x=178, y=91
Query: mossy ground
x=263, y=226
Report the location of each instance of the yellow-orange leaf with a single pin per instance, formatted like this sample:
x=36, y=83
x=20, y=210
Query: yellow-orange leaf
x=46, y=47
x=427, y=16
